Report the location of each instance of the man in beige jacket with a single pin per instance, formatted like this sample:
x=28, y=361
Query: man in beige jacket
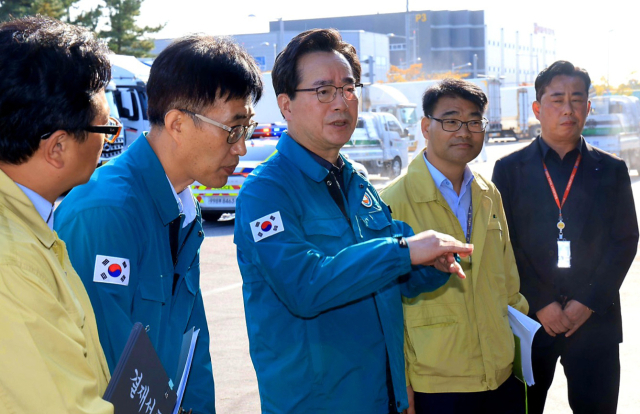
x=53, y=120
x=459, y=346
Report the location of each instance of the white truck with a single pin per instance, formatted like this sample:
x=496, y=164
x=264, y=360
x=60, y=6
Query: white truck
x=517, y=113
x=130, y=77
x=379, y=143
x=112, y=150
x=509, y=109
x=267, y=111
x=614, y=126
x=379, y=97
x=375, y=98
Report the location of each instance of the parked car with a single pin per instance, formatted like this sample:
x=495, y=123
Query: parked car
x=214, y=202
x=273, y=130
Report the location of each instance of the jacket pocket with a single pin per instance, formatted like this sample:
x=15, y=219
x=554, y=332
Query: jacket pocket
x=501, y=342
x=192, y=278
x=375, y=220
x=329, y=235
x=334, y=226
x=152, y=289
x=494, y=225
x=437, y=340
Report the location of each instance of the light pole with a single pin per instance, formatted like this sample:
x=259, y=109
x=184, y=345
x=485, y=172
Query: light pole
x=280, y=32
x=608, y=58
x=406, y=45
x=454, y=67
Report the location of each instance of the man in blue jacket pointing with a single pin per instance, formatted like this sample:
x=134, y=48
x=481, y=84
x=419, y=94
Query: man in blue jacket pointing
x=323, y=263
x=134, y=231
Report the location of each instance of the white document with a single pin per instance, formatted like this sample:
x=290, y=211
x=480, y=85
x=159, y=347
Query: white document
x=187, y=367
x=524, y=328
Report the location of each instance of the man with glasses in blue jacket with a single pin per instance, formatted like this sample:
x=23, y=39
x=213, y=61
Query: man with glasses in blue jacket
x=323, y=263
x=135, y=231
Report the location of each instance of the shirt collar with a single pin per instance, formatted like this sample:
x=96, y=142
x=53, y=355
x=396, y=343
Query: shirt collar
x=545, y=148
x=42, y=206
x=302, y=159
x=439, y=179
x=185, y=202
x=326, y=164
x=145, y=162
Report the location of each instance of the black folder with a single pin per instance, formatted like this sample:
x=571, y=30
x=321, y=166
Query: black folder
x=139, y=383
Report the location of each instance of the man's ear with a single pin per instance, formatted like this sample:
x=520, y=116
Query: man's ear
x=58, y=148
x=174, y=124
x=536, y=109
x=424, y=126
x=284, y=103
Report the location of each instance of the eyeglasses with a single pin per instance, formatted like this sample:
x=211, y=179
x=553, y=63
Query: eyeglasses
x=327, y=93
x=111, y=131
x=236, y=133
x=453, y=125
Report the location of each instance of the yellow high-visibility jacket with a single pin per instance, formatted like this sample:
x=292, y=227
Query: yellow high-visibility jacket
x=458, y=338
x=51, y=360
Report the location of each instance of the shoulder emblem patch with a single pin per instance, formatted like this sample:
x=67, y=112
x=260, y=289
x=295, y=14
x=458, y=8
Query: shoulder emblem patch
x=266, y=226
x=113, y=270
x=367, y=200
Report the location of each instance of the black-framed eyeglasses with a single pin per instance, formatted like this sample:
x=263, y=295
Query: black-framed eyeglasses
x=327, y=93
x=453, y=125
x=111, y=131
x=236, y=133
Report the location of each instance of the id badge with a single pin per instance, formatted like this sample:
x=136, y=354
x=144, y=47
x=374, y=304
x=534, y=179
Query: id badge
x=564, y=253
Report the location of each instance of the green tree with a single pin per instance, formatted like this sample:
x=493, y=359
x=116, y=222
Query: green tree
x=89, y=18
x=58, y=9
x=124, y=35
x=603, y=87
x=21, y=8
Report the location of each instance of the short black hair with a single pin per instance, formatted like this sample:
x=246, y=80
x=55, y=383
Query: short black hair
x=560, y=67
x=285, y=75
x=195, y=70
x=49, y=73
x=453, y=88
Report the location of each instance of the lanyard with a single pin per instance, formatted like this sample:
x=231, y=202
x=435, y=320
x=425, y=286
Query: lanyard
x=469, y=218
x=560, y=224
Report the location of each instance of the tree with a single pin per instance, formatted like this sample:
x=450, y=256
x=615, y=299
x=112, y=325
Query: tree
x=445, y=75
x=415, y=73
x=412, y=73
x=603, y=87
x=89, y=18
x=58, y=9
x=21, y=8
x=125, y=36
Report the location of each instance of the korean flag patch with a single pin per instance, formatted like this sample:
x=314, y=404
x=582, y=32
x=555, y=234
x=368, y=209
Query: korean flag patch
x=114, y=270
x=266, y=226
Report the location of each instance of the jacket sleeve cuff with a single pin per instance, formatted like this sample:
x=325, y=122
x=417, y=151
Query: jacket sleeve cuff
x=404, y=256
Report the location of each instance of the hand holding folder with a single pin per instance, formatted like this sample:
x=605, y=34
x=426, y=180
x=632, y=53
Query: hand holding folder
x=524, y=329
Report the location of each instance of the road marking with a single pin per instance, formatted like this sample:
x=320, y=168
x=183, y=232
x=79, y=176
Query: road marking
x=222, y=289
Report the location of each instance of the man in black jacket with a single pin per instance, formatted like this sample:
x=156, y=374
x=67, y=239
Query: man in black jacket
x=574, y=232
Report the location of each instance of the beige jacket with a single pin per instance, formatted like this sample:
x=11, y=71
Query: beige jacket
x=50, y=355
x=458, y=338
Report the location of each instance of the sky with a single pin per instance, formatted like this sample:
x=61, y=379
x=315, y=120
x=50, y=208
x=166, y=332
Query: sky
x=603, y=36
